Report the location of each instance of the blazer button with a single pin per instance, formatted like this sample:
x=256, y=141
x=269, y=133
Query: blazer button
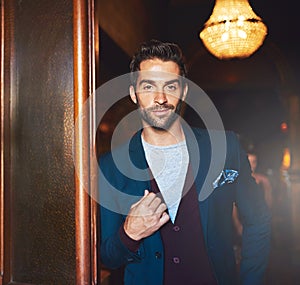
x=157, y=255
x=176, y=259
x=176, y=228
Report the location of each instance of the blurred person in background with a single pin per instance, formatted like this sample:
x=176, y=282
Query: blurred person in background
x=261, y=179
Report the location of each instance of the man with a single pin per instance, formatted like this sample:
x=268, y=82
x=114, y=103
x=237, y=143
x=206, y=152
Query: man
x=156, y=226
x=261, y=179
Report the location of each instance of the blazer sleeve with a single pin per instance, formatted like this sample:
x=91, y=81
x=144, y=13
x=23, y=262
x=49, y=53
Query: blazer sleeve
x=256, y=220
x=113, y=252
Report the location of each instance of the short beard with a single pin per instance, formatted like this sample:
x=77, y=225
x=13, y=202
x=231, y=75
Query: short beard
x=156, y=123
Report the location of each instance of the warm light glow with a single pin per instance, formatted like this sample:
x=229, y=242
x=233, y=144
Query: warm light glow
x=286, y=160
x=233, y=30
x=284, y=127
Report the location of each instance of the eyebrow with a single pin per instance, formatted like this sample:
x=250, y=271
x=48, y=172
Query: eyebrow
x=153, y=81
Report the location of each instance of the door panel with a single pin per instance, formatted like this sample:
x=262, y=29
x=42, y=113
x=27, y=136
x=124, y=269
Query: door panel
x=42, y=218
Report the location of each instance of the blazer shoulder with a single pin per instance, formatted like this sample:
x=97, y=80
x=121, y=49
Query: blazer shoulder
x=230, y=135
x=232, y=147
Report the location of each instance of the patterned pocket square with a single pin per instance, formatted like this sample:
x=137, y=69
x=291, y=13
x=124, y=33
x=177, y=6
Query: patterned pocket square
x=226, y=176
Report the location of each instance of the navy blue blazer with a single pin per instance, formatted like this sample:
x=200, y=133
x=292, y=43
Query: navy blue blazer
x=123, y=179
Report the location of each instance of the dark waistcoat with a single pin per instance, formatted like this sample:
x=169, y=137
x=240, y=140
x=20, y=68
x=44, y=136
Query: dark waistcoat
x=185, y=257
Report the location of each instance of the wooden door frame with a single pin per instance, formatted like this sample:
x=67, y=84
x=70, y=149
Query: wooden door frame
x=7, y=74
x=85, y=32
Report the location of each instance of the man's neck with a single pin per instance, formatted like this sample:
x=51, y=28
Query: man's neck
x=163, y=137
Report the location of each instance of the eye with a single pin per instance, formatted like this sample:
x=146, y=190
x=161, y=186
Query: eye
x=147, y=87
x=171, y=87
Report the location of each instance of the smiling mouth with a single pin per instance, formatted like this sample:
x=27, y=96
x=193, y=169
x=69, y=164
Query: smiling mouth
x=161, y=111
x=164, y=107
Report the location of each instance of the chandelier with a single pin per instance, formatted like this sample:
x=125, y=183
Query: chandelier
x=233, y=30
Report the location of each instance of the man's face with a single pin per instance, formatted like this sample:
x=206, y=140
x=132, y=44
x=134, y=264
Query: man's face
x=158, y=93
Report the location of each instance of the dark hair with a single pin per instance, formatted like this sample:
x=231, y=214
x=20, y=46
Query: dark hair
x=156, y=49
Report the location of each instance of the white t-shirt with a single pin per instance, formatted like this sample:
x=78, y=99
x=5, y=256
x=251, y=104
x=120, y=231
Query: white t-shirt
x=169, y=166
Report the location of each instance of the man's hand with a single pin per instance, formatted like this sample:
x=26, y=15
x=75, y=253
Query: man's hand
x=146, y=216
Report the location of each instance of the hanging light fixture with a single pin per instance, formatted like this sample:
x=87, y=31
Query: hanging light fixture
x=233, y=30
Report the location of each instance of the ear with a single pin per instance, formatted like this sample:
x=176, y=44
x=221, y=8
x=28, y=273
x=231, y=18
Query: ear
x=132, y=94
x=185, y=91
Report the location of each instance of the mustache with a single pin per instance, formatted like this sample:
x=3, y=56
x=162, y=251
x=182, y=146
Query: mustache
x=161, y=107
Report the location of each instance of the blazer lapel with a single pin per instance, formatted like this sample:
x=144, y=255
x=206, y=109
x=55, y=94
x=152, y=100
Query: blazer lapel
x=138, y=160
x=200, y=153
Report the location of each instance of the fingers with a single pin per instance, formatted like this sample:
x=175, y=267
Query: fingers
x=163, y=219
x=145, y=198
x=146, y=216
x=161, y=208
x=151, y=201
x=149, y=205
x=148, y=197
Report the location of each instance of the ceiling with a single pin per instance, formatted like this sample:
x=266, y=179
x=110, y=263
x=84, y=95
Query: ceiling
x=249, y=94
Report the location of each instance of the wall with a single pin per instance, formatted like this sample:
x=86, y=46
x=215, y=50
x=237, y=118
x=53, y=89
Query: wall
x=38, y=180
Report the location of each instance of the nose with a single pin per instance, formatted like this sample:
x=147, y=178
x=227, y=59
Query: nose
x=160, y=98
